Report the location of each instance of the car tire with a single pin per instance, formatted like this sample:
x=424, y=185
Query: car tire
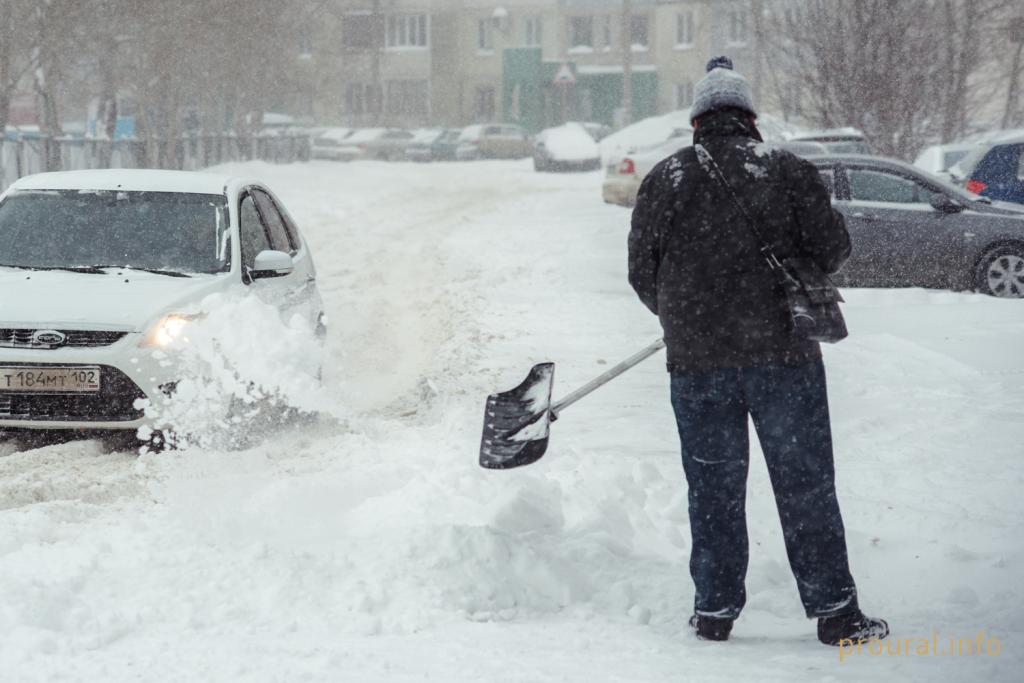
x=1000, y=272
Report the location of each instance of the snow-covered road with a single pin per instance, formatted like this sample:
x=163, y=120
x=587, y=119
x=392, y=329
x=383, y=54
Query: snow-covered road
x=370, y=546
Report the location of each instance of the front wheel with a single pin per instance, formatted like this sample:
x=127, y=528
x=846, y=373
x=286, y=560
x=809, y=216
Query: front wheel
x=1001, y=272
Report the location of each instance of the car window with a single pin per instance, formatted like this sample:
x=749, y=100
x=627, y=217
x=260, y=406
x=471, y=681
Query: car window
x=254, y=236
x=492, y=130
x=950, y=159
x=878, y=186
x=280, y=239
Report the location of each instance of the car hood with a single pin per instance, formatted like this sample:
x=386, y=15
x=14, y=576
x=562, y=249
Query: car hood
x=120, y=300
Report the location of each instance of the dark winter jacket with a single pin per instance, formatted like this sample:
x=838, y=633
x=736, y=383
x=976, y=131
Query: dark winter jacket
x=695, y=263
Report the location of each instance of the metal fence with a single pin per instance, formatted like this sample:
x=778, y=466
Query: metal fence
x=27, y=155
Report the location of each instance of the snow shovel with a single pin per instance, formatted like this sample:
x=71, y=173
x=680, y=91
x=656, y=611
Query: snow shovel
x=517, y=422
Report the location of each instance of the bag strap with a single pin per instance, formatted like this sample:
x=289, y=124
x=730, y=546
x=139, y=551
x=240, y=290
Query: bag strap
x=709, y=164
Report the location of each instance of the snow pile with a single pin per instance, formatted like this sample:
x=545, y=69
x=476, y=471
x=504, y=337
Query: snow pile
x=239, y=381
x=570, y=142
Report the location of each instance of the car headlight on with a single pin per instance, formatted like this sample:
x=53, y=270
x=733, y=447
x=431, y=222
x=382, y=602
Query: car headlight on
x=171, y=329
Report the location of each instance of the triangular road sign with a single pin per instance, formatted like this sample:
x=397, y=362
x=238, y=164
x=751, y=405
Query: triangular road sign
x=564, y=76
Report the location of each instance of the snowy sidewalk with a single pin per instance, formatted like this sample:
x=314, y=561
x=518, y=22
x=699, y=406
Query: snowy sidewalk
x=372, y=547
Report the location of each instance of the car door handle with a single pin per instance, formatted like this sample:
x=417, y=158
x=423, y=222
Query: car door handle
x=865, y=216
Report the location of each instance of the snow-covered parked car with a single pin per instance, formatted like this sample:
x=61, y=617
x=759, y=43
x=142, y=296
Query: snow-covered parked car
x=329, y=143
x=566, y=148
x=385, y=144
x=422, y=145
x=104, y=273
x=493, y=141
x=835, y=140
x=938, y=159
x=622, y=179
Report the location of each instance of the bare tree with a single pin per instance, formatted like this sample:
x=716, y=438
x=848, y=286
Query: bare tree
x=14, y=62
x=901, y=70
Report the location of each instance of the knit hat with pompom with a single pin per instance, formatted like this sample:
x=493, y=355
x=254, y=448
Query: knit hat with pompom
x=721, y=88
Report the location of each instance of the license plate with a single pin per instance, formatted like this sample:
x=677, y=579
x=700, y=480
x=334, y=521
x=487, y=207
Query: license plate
x=50, y=380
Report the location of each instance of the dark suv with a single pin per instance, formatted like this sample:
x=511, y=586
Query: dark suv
x=995, y=169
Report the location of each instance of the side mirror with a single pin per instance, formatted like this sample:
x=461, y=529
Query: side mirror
x=272, y=264
x=945, y=204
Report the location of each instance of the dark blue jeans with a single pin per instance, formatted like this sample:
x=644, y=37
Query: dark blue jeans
x=789, y=407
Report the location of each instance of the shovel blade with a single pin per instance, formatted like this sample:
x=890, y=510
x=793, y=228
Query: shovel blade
x=517, y=422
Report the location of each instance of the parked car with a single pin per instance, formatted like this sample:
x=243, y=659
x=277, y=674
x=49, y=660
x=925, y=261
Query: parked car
x=493, y=141
x=622, y=179
x=836, y=140
x=912, y=229
x=938, y=159
x=995, y=169
x=100, y=269
x=566, y=148
x=598, y=131
x=385, y=144
x=328, y=144
x=433, y=145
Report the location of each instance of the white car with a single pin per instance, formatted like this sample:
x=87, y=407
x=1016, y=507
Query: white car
x=939, y=159
x=102, y=271
x=622, y=178
x=329, y=143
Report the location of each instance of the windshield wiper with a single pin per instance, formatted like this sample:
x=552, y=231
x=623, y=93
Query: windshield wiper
x=91, y=270
x=157, y=271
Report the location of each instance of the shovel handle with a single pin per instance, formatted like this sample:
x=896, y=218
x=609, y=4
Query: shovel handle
x=606, y=377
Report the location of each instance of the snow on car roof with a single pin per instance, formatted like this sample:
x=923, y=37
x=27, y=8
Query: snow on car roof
x=336, y=133
x=130, y=180
x=364, y=134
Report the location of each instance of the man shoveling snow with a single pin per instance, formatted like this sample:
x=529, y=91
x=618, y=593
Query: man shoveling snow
x=697, y=259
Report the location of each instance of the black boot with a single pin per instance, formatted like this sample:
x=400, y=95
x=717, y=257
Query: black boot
x=711, y=628
x=851, y=627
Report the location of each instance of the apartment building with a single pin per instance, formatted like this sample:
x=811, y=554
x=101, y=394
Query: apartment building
x=536, y=62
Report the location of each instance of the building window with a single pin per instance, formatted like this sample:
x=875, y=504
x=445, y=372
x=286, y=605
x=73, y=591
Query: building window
x=606, y=33
x=684, y=95
x=407, y=98
x=534, y=32
x=484, y=36
x=581, y=32
x=305, y=42
x=737, y=27
x=407, y=30
x=357, y=32
x=639, y=33
x=484, y=101
x=684, y=29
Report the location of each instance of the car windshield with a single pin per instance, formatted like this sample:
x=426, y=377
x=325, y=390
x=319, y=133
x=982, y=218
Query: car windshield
x=162, y=231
